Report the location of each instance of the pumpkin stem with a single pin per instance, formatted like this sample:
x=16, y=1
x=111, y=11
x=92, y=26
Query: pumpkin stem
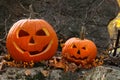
x=82, y=33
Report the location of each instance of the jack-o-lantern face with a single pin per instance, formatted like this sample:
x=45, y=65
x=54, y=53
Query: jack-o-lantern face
x=31, y=40
x=78, y=51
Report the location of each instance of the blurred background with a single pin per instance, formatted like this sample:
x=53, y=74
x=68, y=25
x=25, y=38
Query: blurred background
x=66, y=17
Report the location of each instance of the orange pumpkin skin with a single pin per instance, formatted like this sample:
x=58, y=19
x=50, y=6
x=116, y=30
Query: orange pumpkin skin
x=79, y=51
x=31, y=40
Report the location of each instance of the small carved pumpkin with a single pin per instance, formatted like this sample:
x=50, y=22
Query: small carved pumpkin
x=31, y=40
x=79, y=51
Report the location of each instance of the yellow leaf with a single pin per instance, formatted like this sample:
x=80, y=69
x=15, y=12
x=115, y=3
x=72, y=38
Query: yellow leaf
x=113, y=27
x=118, y=1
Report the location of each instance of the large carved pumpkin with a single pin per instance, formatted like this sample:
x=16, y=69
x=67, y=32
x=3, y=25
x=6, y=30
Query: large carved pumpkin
x=31, y=40
x=79, y=51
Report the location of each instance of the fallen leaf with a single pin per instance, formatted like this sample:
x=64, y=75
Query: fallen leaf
x=27, y=72
x=2, y=67
x=57, y=62
x=72, y=67
x=45, y=73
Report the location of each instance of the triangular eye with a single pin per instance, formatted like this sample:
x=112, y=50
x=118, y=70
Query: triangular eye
x=74, y=46
x=23, y=33
x=84, y=48
x=41, y=33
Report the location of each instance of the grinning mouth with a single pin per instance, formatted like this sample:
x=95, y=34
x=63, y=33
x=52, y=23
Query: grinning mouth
x=79, y=58
x=36, y=52
x=46, y=47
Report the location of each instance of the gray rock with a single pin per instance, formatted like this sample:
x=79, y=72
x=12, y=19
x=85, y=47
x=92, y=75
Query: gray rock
x=103, y=73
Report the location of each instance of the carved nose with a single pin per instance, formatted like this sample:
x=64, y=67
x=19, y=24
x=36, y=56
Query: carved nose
x=32, y=40
x=78, y=52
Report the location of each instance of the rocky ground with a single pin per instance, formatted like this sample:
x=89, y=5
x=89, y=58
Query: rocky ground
x=98, y=73
x=67, y=17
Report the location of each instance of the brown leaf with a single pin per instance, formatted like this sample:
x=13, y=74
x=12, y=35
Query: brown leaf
x=27, y=72
x=7, y=57
x=72, y=67
x=2, y=66
x=57, y=62
x=45, y=73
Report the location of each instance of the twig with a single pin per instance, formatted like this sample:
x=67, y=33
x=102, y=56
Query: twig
x=117, y=42
x=114, y=48
x=100, y=3
x=27, y=10
x=57, y=23
x=85, y=18
x=32, y=13
x=91, y=9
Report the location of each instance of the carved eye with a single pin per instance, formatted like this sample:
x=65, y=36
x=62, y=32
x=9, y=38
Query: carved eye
x=23, y=33
x=74, y=46
x=41, y=33
x=84, y=48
